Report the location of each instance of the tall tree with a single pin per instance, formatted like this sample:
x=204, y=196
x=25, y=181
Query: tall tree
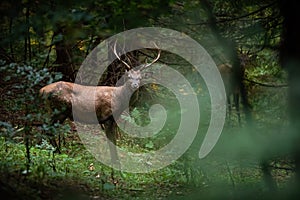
x=290, y=59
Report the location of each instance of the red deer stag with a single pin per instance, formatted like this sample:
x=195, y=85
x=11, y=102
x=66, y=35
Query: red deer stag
x=231, y=87
x=109, y=102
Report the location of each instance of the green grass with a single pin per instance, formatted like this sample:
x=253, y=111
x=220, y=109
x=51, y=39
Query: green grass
x=76, y=174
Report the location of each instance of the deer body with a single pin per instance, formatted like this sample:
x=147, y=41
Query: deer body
x=106, y=101
x=85, y=100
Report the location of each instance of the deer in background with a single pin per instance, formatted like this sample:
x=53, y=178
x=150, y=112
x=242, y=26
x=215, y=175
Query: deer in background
x=109, y=102
x=231, y=87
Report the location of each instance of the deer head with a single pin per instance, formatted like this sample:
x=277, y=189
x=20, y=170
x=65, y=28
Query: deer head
x=135, y=76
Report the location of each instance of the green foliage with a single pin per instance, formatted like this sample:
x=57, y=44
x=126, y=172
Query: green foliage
x=47, y=36
x=25, y=102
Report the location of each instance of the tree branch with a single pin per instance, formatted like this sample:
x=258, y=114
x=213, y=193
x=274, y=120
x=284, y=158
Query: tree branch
x=236, y=18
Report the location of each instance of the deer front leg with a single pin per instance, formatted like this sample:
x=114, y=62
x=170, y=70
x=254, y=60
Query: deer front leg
x=110, y=132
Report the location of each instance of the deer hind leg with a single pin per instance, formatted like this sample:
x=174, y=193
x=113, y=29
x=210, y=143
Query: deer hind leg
x=110, y=132
x=58, y=118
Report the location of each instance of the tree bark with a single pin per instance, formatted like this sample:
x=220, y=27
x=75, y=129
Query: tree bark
x=290, y=59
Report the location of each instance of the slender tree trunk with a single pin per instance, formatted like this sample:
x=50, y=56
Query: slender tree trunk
x=267, y=176
x=10, y=41
x=27, y=52
x=230, y=50
x=290, y=59
x=64, y=57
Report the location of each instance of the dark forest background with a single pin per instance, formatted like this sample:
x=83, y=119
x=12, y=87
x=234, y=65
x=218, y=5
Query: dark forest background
x=258, y=154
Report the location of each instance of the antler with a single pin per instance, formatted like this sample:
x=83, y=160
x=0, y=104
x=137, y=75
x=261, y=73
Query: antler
x=115, y=52
x=149, y=64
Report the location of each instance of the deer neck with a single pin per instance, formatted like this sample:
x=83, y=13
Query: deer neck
x=124, y=92
x=121, y=98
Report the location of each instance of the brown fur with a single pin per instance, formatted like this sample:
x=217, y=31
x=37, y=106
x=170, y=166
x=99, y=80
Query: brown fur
x=85, y=100
x=107, y=102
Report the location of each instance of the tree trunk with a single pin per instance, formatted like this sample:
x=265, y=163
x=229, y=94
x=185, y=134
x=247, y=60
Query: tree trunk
x=290, y=59
x=64, y=59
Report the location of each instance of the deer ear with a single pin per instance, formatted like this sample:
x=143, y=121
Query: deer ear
x=147, y=75
x=128, y=74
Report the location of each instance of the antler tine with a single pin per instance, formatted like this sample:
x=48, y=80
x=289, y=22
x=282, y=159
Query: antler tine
x=115, y=52
x=158, y=56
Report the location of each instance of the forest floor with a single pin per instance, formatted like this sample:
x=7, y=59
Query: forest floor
x=76, y=179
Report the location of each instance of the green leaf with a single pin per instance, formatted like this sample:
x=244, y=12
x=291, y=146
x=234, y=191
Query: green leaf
x=109, y=186
x=149, y=145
